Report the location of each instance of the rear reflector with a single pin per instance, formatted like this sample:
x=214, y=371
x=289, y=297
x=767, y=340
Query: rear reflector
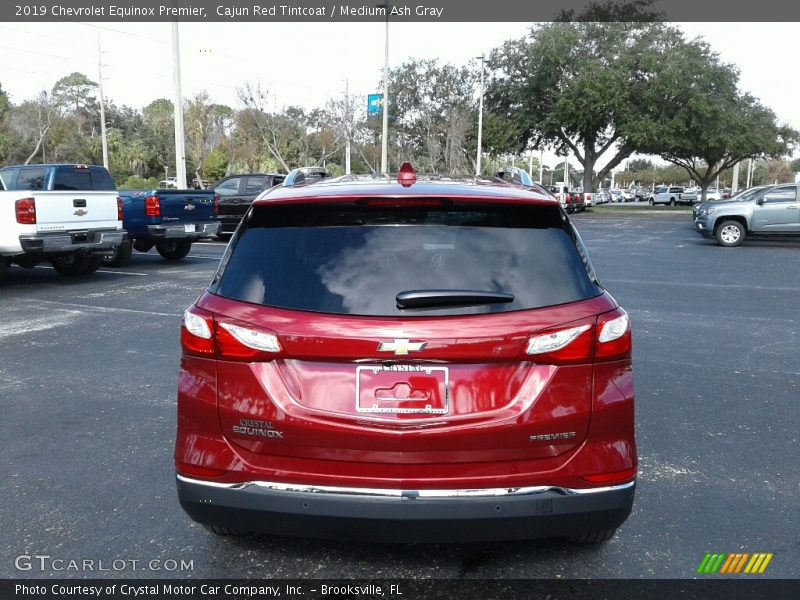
x=616, y=477
x=26, y=211
x=198, y=471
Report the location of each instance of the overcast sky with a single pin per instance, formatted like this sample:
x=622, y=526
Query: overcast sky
x=304, y=64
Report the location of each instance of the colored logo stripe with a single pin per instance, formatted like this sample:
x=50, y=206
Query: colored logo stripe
x=734, y=562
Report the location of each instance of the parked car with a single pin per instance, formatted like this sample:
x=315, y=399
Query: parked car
x=168, y=183
x=170, y=220
x=628, y=195
x=694, y=195
x=617, y=196
x=666, y=195
x=235, y=195
x=773, y=211
x=406, y=359
x=641, y=193
x=68, y=215
x=570, y=201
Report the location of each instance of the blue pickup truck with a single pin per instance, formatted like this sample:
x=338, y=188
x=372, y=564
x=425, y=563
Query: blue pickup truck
x=170, y=220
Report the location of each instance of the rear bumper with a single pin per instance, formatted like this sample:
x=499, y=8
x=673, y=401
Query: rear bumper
x=229, y=223
x=98, y=241
x=405, y=515
x=192, y=231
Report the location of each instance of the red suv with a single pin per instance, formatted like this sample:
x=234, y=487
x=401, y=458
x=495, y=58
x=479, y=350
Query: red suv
x=406, y=360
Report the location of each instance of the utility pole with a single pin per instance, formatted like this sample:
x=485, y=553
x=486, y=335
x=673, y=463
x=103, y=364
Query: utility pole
x=530, y=164
x=385, y=141
x=180, y=142
x=735, y=182
x=541, y=166
x=348, y=126
x=750, y=173
x=103, y=133
x=566, y=172
x=480, y=123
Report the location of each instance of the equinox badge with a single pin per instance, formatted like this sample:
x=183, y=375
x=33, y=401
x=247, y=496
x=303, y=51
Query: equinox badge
x=401, y=347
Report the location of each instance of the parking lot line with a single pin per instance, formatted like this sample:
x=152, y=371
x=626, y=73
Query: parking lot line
x=114, y=271
x=102, y=308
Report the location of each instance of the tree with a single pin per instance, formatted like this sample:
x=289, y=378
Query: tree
x=587, y=88
x=75, y=94
x=639, y=164
x=31, y=122
x=206, y=126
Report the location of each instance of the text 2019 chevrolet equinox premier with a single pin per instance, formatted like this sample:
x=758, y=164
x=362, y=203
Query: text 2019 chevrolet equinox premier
x=406, y=359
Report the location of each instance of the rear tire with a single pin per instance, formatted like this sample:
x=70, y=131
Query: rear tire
x=174, y=249
x=141, y=246
x=730, y=234
x=652, y=202
x=75, y=265
x=4, y=264
x=224, y=531
x=594, y=537
x=121, y=257
x=672, y=201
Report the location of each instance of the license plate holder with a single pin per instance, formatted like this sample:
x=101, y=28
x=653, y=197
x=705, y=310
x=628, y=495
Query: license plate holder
x=402, y=389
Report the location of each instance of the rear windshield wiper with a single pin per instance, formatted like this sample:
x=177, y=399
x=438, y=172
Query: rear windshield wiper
x=435, y=298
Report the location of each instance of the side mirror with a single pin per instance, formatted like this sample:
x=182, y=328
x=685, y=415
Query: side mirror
x=760, y=201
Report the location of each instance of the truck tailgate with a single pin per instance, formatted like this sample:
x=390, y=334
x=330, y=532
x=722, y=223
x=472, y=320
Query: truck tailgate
x=186, y=206
x=68, y=210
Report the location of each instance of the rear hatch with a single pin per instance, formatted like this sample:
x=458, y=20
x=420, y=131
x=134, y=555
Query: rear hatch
x=401, y=332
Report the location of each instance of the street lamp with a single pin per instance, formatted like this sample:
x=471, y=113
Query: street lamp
x=385, y=141
x=480, y=122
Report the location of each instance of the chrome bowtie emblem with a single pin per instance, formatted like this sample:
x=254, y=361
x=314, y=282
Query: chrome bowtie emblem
x=401, y=347
x=80, y=212
x=189, y=207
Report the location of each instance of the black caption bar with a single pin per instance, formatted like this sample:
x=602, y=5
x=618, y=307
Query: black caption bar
x=397, y=10
x=483, y=589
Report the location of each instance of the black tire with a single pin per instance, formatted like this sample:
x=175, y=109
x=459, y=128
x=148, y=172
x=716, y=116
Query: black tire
x=224, y=531
x=174, y=249
x=121, y=256
x=730, y=233
x=141, y=246
x=4, y=264
x=672, y=201
x=652, y=202
x=593, y=537
x=75, y=265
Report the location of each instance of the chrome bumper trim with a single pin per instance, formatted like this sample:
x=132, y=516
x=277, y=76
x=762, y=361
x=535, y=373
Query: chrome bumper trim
x=410, y=494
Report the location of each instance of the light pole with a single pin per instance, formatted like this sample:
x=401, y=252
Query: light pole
x=480, y=123
x=385, y=141
x=180, y=143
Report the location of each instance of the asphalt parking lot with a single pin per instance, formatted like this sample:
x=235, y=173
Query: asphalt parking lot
x=88, y=379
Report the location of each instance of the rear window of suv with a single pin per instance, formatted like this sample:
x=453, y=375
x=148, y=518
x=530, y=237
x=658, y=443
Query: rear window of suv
x=353, y=259
x=70, y=178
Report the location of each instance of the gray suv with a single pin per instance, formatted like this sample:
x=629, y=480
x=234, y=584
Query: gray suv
x=774, y=210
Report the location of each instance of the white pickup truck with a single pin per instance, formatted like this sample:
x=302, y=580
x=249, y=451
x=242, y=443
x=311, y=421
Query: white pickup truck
x=68, y=215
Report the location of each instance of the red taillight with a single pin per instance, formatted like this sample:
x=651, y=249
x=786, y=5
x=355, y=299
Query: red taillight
x=26, y=211
x=406, y=177
x=203, y=335
x=152, y=206
x=613, y=336
x=567, y=199
x=579, y=342
x=197, y=333
x=216, y=204
x=119, y=208
x=243, y=341
x=567, y=344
